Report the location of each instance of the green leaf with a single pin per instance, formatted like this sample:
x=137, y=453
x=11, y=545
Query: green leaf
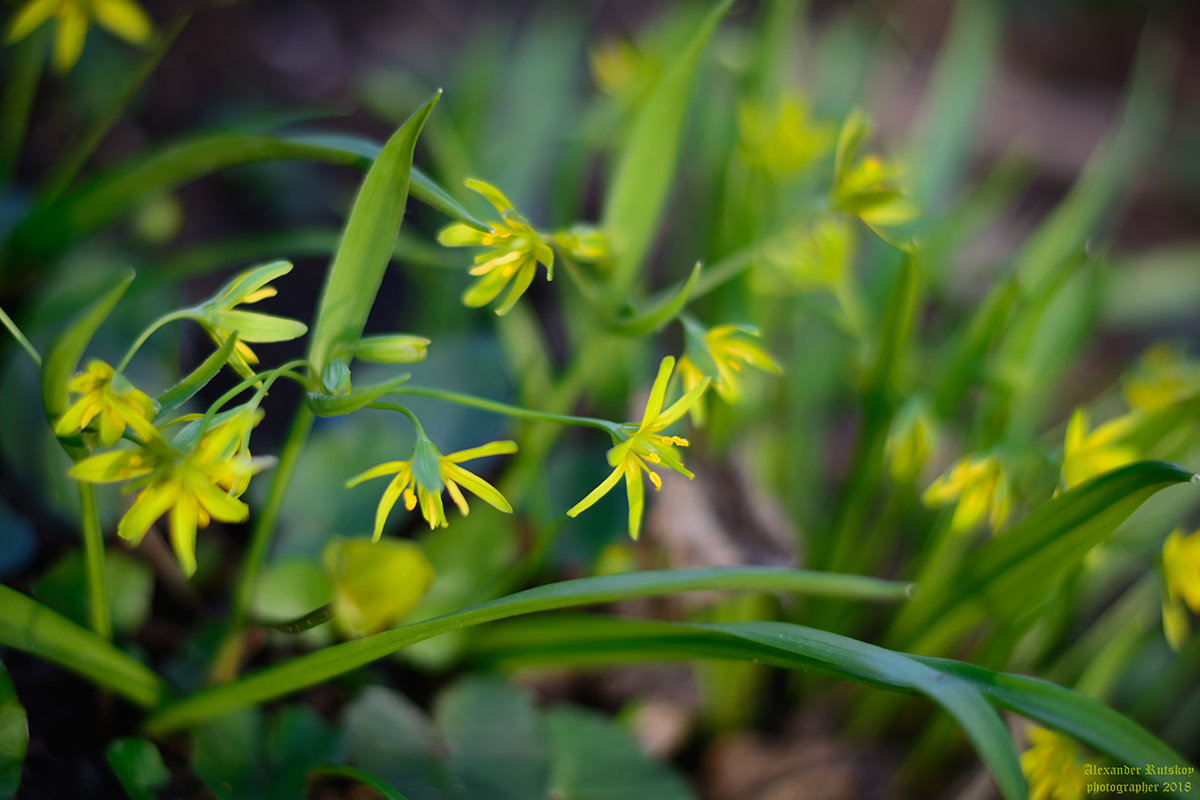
x=14, y=736
x=358, y=776
x=594, y=759
x=498, y=746
x=225, y=754
x=316, y=667
x=130, y=583
x=644, y=168
x=366, y=245
x=197, y=379
x=332, y=405
x=62, y=357
x=996, y=581
x=138, y=766
x=33, y=628
x=660, y=312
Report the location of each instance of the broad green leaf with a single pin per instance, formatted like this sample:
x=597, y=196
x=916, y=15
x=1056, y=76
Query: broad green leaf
x=642, y=176
x=138, y=766
x=999, y=579
x=498, y=745
x=197, y=379
x=130, y=582
x=594, y=759
x=32, y=627
x=290, y=588
x=62, y=357
x=316, y=667
x=660, y=312
x=14, y=736
x=366, y=246
x=225, y=754
x=332, y=405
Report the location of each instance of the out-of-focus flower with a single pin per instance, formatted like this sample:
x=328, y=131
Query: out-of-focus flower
x=1181, y=573
x=634, y=445
x=194, y=481
x=868, y=187
x=910, y=439
x=815, y=258
x=584, y=243
x=978, y=485
x=221, y=317
x=422, y=478
x=375, y=583
x=1086, y=455
x=719, y=354
x=1161, y=377
x=124, y=18
x=621, y=70
x=1052, y=766
x=107, y=397
x=782, y=139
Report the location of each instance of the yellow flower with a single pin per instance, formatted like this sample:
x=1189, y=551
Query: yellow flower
x=422, y=478
x=720, y=354
x=868, y=187
x=195, y=481
x=122, y=17
x=221, y=317
x=817, y=257
x=375, y=583
x=978, y=485
x=781, y=140
x=1161, y=377
x=1086, y=455
x=909, y=441
x=1052, y=766
x=635, y=445
x=1181, y=573
x=106, y=396
x=516, y=250
x=584, y=243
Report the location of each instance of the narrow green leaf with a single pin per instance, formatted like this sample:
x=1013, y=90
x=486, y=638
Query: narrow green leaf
x=642, y=177
x=333, y=405
x=197, y=379
x=357, y=775
x=660, y=312
x=14, y=736
x=64, y=353
x=33, y=628
x=316, y=667
x=366, y=246
x=994, y=582
x=894, y=333
x=138, y=766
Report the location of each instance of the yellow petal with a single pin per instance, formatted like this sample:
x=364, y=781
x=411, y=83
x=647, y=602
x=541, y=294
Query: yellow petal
x=151, y=504
x=636, y=493
x=184, y=517
x=30, y=17
x=477, y=486
x=596, y=493
x=124, y=18
x=658, y=392
x=68, y=37
x=489, y=449
x=519, y=285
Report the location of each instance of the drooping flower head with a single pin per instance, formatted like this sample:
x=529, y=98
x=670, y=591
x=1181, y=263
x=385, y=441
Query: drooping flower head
x=1086, y=455
x=720, y=354
x=1181, y=573
x=420, y=480
x=195, y=479
x=515, y=250
x=106, y=397
x=124, y=18
x=978, y=485
x=635, y=445
x=1052, y=766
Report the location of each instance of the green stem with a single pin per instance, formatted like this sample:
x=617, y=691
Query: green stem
x=505, y=408
x=146, y=334
x=20, y=337
x=264, y=523
x=93, y=556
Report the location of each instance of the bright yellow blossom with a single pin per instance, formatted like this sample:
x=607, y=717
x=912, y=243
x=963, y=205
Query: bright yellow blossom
x=1181, y=573
x=719, y=354
x=72, y=17
x=105, y=396
x=516, y=250
x=1052, y=766
x=635, y=445
x=868, y=187
x=1161, y=377
x=195, y=481
x=421, y=479
x=1086, y=455
x=978, y=485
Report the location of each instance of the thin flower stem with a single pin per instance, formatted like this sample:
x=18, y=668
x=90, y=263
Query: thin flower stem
x=416, y=423
x=505, y=408
x=146, y=334
x=20, y=337
x=93, y=556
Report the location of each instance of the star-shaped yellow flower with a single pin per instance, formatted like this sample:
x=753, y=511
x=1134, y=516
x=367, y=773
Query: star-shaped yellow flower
x=1181, y=571
x=978, y=485
x=106, y=397
x=421, y=479
x=194, y=481
x=635, y=445
x=1052, y=766
x=516, y=250
x=125, y=18
x=719, y=354
x=1086, y=455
